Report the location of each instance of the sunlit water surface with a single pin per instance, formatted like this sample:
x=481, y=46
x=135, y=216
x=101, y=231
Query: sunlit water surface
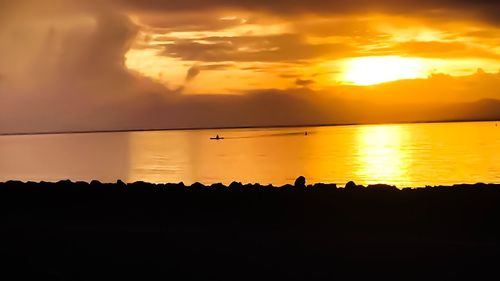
x=404, y=155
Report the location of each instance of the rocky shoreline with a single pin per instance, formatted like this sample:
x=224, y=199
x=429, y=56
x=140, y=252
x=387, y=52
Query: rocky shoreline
x=299, y=184
x=141, y=231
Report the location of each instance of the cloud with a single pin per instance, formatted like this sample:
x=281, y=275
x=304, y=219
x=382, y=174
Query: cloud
x=312, y=38
x=306, y=107
x=188, y=21
x=435, y=49
x=275, y=48
x=63, y=69
x=304, y=82
x=196, y=69
x=481, y=9
x=193, y=71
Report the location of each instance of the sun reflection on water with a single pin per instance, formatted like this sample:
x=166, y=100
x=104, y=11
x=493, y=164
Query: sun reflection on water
x=381, y=157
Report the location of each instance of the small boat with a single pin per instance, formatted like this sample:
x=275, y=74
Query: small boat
x=217, y=138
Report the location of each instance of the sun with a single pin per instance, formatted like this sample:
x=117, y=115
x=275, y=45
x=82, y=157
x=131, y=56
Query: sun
x=374, y=70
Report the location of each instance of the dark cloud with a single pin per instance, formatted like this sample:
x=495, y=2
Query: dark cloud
x=482, y=9
x=303, y=106
x=192, y=72
x=188, y=21
x=299, y=5
x=217, y=66
x=65, y=68
x=434, y=49
x=275, y=48
x=196, y=69
x=304, y=82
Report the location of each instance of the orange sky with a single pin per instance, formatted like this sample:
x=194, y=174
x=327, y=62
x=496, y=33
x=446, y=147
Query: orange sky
x=260, y=50
x=167, y=64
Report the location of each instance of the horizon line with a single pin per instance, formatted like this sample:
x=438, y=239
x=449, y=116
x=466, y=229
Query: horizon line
x=244, y=127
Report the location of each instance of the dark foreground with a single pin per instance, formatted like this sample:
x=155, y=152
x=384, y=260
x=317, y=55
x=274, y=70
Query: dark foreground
x=77, y=231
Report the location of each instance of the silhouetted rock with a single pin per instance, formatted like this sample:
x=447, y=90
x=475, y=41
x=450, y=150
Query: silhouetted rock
x=300, y=182
x=351, y=185
x=236, y=185
x=64, y=182
x=120, y=183
x=324, y=186
x=286, y=186
x=139, y=185
x=218, y=186
x=175, y=186
x=381, y=187
x=198, y=186
x=95, y=183
x=80, y=185
x=13, y=183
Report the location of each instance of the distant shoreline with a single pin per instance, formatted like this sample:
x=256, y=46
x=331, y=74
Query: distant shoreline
x=241, y=127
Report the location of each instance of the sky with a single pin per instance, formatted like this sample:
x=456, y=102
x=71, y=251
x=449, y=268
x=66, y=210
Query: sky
x=78, y=65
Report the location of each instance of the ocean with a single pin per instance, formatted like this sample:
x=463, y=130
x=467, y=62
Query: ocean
x=405, y=155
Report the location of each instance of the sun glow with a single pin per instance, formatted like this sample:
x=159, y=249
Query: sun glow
x=374, y=70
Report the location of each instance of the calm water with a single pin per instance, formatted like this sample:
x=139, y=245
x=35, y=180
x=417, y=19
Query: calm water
x=404, y=155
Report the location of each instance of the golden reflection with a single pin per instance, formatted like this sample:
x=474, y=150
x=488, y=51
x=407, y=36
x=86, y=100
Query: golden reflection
x=380, y=155
x=409, y=155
